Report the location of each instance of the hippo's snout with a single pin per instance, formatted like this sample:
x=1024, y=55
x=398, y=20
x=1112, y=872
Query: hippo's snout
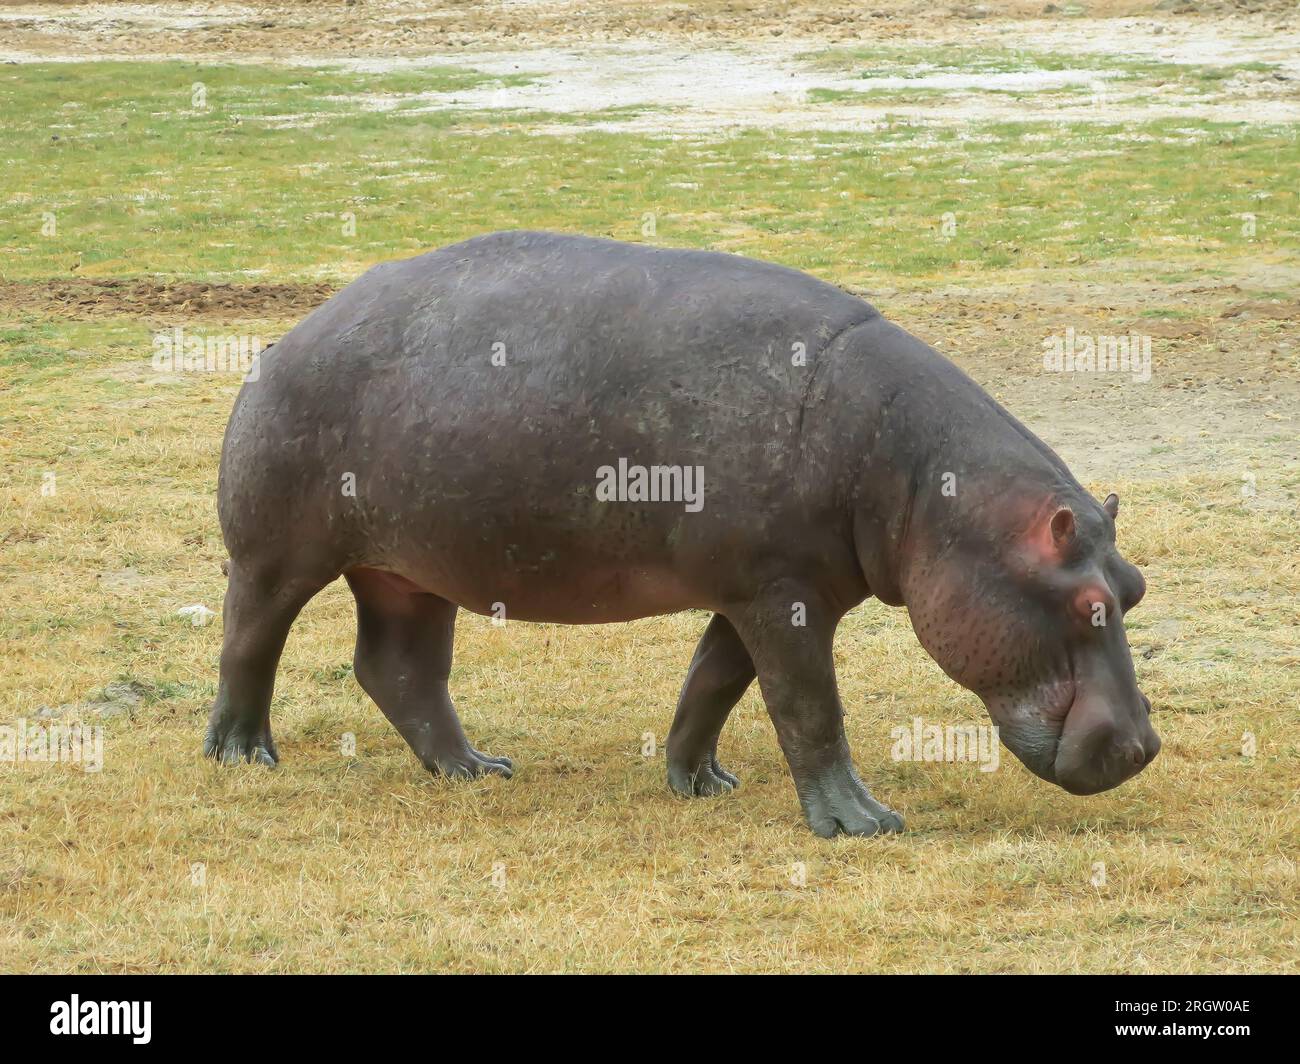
x=1101, y=750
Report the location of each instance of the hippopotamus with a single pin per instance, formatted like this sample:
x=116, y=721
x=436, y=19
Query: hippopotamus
x=545, y=427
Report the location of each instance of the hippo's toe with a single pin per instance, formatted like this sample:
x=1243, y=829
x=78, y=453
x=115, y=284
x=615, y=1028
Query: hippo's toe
x=233, y=746
x=468, y=764
x=839, y=805
x=704, y=780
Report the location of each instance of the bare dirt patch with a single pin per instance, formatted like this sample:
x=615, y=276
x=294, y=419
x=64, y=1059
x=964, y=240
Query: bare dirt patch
x=402, y=27
x=1221, y=399
x=386, y=28
x=91, y=298
x=1224, y=389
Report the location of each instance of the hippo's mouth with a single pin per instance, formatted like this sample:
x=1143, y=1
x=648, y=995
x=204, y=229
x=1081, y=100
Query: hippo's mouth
x=1075, y=737
x=1030, y=724
x=1035, y=746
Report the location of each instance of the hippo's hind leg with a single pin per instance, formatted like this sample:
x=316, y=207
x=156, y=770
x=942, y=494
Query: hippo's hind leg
x=403, y=660
x=719, y=675
x=260, y=605
x=796, y=670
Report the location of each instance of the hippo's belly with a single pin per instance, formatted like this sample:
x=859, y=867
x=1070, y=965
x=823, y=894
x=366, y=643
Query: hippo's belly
x=585, y=596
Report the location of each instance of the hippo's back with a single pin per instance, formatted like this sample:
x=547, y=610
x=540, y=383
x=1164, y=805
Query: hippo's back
x=601, y=306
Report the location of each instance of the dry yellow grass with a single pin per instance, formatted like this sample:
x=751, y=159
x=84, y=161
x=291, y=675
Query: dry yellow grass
x=585, y=861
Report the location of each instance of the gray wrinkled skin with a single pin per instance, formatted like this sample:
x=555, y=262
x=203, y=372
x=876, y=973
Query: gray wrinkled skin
x=435, y=434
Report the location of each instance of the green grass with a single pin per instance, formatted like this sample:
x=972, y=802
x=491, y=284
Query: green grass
x=140, y=183
x=1138, y=81
x=912, y=61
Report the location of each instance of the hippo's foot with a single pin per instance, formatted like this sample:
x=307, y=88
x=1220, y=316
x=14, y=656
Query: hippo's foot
x=466, y=763
x=705, y=780
x=231, y=743
x=837, y=803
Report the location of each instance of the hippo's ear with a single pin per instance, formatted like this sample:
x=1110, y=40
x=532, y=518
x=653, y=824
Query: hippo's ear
x=1062, y=528
x=1111, y=505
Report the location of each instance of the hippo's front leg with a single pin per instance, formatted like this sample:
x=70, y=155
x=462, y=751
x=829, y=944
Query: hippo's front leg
x=796, y=671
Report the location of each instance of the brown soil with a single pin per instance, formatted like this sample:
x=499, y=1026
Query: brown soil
x=387, y=28
x=87, y=298
x=1224, y=392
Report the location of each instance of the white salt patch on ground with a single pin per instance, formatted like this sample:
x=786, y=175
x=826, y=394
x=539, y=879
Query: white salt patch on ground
x=683, y=90
x=690, y=91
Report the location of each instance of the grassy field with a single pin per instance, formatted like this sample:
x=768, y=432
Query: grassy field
x=133, y=206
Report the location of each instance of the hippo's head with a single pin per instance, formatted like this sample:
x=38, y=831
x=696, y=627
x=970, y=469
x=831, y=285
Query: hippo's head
x=1024, y=605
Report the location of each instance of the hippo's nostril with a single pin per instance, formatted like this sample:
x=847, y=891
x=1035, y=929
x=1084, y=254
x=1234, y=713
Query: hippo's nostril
x=1146, y=704
x=1137, y=753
